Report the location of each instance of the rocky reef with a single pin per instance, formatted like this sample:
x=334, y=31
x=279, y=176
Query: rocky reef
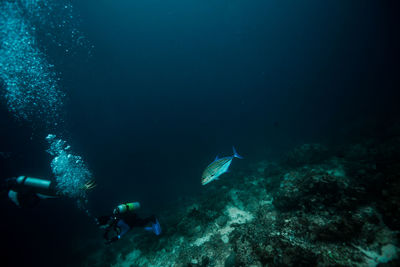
x=315, y=207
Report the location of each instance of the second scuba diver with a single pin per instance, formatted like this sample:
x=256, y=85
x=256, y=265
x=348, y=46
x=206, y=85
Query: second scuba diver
x=26, y=192
x=124, y=219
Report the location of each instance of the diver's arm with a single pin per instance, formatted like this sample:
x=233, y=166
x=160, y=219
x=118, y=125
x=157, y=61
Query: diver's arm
x=112, y=225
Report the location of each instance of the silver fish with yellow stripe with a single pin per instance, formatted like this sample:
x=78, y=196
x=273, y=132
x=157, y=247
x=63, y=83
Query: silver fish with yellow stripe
x=218, y=167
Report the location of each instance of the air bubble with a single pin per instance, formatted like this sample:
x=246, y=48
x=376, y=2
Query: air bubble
x=70, y=172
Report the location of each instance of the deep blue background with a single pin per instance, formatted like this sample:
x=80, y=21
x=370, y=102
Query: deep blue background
x=173, y=83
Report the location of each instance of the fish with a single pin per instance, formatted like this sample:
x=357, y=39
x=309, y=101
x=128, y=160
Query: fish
x=218, y=167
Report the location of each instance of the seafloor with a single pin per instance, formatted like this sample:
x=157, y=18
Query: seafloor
x=317, y=206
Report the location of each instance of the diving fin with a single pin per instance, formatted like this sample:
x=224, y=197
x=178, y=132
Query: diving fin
x=155, y=228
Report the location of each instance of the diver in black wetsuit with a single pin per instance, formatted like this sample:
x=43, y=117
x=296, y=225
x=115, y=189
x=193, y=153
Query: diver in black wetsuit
x=124, y=219
x=26, y=192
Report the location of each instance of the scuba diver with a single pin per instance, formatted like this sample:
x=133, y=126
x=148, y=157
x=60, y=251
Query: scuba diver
x=26, y=192
x=124, y=219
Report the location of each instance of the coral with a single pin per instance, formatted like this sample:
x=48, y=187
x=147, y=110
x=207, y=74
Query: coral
x=311, y=189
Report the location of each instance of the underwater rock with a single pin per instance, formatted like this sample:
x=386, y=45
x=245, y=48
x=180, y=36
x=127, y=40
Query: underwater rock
x=357, y=151
x=310, y=190
x=222, y=220
x=338, y=229
x=390, y=202
x=272, y=173
x=306, y=154
x=375, y=167
x=230, y=261
x=296, y=256
x=272, y=169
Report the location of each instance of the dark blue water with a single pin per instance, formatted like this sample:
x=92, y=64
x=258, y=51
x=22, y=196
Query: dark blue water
x=171, y=84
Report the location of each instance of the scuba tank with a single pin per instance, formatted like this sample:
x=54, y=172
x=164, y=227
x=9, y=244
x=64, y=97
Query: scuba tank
x=38, y=185
x=126, y=207
x=33, y=182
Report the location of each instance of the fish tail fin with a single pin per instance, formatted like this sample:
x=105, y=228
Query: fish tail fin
x=235, y=154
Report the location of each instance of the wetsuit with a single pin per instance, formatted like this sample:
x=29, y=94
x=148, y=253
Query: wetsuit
x=26, y=196
x=122, y=223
